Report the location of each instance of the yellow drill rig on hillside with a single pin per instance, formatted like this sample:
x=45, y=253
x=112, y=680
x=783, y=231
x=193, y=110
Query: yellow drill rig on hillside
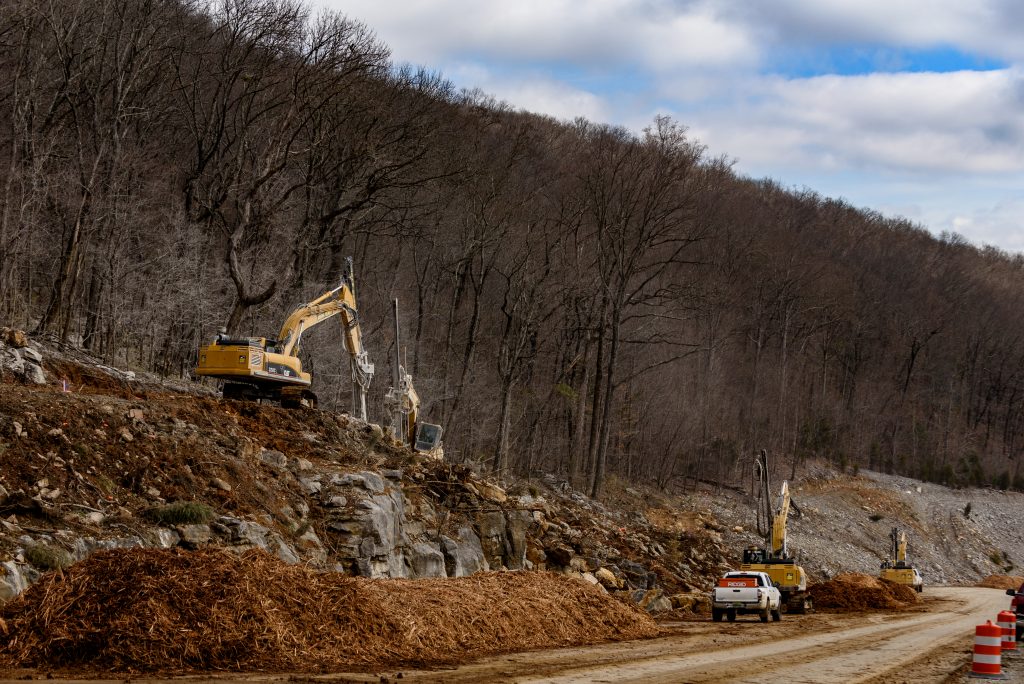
x=256, y=368
x=896, y=568
x=774, y=558
x=404, y=403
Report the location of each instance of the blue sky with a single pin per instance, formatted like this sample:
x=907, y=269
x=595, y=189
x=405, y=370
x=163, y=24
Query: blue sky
x=909, y=107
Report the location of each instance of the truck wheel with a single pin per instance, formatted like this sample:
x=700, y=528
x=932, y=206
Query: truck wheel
x=777, y=614
x=716, y=615
x=764, y=614
x=730, y=615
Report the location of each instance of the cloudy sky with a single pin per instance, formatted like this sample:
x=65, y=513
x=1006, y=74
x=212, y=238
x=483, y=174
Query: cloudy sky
x=908, y=107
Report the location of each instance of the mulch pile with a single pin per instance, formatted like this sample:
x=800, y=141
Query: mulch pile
x=856, y=591
x=1002, y=582
x=172, y=610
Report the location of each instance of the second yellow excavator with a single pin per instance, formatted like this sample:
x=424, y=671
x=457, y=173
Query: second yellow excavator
x=896, y=568
x=261, y=369
x=774, y=559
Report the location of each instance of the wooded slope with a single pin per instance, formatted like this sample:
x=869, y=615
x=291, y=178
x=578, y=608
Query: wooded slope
x=576, y=298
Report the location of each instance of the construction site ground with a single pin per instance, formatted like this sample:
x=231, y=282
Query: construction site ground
x=930, y=642
x=114, y=447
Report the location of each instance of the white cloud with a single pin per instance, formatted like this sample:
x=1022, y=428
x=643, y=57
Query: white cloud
x=961, y=122
x=931, y=146
x=532, y=92
x=656, y=34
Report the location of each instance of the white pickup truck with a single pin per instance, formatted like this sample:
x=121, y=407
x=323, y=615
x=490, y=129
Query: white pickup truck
x=741, y=593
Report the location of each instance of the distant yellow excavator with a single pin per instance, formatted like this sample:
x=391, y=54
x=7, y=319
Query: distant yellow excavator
x=775, y=559
x=260, y=369
x=896, y=568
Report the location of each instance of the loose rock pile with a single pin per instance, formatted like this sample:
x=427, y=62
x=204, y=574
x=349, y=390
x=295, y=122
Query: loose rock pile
x=855, y=591
x=173, y=610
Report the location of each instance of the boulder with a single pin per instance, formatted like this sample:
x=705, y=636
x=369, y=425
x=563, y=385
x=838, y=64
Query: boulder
x=607, y=578
x=242, y=532
x=655, y=601
x=15, y=578
x=274, y=459
x=490, y=526
x=694, y=602
x=425, y=560
x=194, y=535
x=371, y=482
x=33, y=373
x=559, y=555
x=166, y=538
x=463, y=556
x=517, y=524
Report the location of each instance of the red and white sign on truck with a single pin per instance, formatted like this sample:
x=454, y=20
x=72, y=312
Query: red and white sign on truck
x=740, y=593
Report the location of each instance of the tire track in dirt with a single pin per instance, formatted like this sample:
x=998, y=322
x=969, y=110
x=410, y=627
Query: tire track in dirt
x=853, y=655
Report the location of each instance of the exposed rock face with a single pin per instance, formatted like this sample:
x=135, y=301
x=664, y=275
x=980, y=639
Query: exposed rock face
x=19, y=359
x=15, y=578
x=463, y=556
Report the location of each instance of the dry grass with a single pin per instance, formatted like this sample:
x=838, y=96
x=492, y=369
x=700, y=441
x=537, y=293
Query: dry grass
x=156, y=610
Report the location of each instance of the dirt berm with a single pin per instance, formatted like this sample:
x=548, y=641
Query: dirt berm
x=175, y=610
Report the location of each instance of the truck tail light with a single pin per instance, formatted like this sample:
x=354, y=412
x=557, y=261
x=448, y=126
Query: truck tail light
x=760, y=594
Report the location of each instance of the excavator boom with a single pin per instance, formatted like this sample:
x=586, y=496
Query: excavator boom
x=269, y=369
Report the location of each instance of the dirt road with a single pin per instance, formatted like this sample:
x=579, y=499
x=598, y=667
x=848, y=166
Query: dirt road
x=930, y=643
x=925, y=645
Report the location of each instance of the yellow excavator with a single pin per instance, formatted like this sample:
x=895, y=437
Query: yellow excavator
x=404, y=403
x=896, y=568
x=256, y=368
x=774, y=558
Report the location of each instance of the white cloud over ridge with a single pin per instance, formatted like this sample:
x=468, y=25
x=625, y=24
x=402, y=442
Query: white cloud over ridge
x=943, y=147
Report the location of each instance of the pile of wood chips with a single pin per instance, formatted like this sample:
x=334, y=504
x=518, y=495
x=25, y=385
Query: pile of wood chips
x=857, y=591
x=1002, y=582
x=135, y=610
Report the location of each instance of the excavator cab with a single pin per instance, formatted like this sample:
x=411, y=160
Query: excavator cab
x=428, y=436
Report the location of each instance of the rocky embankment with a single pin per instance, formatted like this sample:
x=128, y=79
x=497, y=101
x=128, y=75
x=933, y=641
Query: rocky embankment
x=96, y=458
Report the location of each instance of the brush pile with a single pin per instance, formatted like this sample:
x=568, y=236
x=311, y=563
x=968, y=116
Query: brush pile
x=148, y=610
x=856, y=592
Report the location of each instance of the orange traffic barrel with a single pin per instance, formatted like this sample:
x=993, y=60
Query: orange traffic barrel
x=1008, y=621
x=988, y=649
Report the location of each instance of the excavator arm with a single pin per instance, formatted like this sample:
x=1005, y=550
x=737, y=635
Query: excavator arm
x=778, y=540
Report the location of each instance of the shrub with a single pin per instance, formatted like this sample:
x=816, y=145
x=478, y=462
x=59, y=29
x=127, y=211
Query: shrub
x=47, y=557
x=181, y=513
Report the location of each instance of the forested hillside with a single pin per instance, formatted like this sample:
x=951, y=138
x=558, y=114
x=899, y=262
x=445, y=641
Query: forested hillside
x=576, y=298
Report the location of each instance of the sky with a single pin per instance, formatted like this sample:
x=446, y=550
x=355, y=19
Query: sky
x=912, y=108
